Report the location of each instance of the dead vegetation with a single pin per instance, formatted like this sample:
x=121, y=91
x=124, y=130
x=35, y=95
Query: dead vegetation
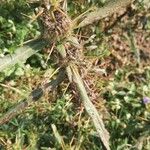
x=90, y=60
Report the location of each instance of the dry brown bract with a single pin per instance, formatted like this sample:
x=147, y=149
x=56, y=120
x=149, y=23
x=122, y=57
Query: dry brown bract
x=55, y=25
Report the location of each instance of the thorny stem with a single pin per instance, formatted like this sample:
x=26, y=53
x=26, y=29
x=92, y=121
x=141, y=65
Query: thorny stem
x=112, y=7
x=34, y=96
x=74, y=76
x=90, y=108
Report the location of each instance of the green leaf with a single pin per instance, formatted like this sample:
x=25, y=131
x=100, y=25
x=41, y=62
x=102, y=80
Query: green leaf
x=22, y=54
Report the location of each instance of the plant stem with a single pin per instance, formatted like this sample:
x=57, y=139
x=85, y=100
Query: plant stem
x=34, y=96
x=90, y=108
x=112, y=7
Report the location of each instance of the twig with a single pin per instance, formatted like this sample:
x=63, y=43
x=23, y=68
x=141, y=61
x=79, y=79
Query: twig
x=34, y=96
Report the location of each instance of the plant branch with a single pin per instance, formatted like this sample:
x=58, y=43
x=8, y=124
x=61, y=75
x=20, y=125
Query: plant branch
x=112, y=7
x=90, y=108
x=73, y=75
x=34, y=96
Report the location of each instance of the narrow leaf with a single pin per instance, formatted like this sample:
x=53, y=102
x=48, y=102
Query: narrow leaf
x=90, y=108
x=58, y=137
x=100, y=13
x=21, y=54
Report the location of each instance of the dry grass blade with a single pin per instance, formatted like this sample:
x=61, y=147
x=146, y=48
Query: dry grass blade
x=91, y=110
x=100, y=13
x=58, y=137
x=34, y=96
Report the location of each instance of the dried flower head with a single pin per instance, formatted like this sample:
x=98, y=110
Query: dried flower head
x=55, y=24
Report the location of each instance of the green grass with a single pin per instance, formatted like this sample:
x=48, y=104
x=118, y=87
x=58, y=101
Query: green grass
x=59, y=121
